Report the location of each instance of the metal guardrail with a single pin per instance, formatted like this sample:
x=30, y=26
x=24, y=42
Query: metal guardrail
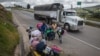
x=21, y=43
x=94, y=22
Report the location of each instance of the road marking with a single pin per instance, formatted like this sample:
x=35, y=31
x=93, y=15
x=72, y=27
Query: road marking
x=84, y=42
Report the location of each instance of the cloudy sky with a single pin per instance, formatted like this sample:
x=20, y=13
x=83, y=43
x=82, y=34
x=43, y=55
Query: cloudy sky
x=9, y=0
x=66, y=3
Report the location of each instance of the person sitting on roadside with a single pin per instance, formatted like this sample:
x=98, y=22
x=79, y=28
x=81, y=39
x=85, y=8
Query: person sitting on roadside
x=43, y=28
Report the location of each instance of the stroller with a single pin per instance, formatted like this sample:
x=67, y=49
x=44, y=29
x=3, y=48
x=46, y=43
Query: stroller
x=49, y=34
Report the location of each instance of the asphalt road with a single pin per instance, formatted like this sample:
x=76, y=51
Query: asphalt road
x=89, y=34
x=83, y=43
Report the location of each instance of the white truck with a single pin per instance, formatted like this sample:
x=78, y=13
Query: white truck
x=56, y=11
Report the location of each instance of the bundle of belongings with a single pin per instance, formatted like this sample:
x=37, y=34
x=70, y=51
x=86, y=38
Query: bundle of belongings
x=49, y=34
x=39, y=46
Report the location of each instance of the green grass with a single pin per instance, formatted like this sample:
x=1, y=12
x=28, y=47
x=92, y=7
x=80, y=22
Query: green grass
x=9, y=36
x=85, y=14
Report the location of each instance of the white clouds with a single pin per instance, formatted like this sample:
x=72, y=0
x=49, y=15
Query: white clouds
x=7, y=4
x=50, y=1
x=67, y=3
x=11, y=0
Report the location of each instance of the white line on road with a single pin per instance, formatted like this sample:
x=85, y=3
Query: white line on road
x=84, y=42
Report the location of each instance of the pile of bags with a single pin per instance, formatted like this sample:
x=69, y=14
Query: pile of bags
x=40, y=46
x=38, y=42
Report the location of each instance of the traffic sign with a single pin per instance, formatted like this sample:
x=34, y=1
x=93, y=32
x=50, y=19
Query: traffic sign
x=79, y=3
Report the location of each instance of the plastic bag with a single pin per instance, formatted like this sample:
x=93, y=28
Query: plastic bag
x=47, y=50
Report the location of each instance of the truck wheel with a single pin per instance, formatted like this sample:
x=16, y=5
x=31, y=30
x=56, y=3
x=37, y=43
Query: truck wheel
x=46, y=20
x=35, y=16
x=67, y=27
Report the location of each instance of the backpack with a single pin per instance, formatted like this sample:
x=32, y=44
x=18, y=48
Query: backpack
x=50, y=34
x=62, y=31
x=40, y=47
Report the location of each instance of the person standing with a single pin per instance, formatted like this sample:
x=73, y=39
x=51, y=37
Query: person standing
x=54, y=25
x=60, y=32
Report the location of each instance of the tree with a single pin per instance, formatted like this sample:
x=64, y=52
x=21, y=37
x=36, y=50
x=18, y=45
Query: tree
x=28, y=6
x=96, y=14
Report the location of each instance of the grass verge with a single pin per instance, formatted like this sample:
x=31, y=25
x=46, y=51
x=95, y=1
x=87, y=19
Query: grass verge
x=9, y=36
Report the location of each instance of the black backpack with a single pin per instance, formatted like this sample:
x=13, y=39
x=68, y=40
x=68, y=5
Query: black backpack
x=40, y=47
x=62, y=31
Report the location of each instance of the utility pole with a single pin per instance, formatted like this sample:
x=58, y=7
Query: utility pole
x=71, y=6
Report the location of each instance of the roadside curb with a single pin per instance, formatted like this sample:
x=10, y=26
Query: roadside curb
x=17, y=51
x=24, y=42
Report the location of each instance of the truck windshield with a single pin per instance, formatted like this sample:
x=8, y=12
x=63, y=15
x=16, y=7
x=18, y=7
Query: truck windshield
x=69, y=13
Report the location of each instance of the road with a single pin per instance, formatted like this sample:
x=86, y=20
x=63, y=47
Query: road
x=83, y=43
x=88, y=34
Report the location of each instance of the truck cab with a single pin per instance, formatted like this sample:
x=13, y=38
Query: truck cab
x=71, y=20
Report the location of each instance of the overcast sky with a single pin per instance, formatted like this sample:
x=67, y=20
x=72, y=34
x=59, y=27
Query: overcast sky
x=9, y=0
x=47, y=1
x=37, y=2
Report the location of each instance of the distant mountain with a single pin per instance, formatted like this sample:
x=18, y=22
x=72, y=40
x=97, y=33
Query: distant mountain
x=97, y=6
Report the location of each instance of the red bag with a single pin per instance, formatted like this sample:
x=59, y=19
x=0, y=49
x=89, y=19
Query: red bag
x=56, y=48
x=39, y=25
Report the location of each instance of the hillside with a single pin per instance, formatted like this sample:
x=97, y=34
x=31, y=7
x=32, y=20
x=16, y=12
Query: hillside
x=8, y=33
x=91, y=13
x=97, y=6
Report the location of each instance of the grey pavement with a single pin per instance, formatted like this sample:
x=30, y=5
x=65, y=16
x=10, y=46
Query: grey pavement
x=81, y=43
x=24, y=41
x=89, y=34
